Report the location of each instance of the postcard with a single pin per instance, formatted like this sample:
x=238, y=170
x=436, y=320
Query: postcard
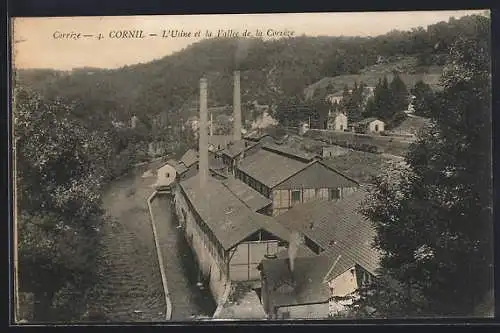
x=255, y=167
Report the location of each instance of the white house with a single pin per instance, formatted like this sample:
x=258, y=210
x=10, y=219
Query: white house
x=332, y=98
x=370, y=125
x=337, y=121
x=165, y=176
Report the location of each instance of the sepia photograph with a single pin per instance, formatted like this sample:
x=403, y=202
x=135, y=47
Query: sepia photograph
x=252, y=167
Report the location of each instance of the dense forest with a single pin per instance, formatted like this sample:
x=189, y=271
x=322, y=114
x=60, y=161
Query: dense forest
x=67, y=148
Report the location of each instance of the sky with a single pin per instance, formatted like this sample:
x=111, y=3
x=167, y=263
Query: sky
x=54, y=42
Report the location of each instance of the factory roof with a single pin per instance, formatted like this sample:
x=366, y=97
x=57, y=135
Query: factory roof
x=227, y=215
x=250, y=197
x=270, y=168
x=189, y=158
x=338, y=227
x=235, y=148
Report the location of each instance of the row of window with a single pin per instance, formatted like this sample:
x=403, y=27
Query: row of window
x=333, y=194
x=256, y=185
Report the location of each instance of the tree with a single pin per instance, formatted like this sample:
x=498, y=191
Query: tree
x=399, y=94
x=381, y=106
x=346, y=97
x=355, y=103
x=424, y=99
x=60, y=168
x=433, y=214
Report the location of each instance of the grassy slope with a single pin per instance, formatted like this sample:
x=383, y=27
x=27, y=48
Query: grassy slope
x=359, y=165
x=370, y=76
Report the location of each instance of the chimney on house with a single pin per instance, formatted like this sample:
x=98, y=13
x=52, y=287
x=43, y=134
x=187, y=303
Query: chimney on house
x=237, y=107
x=203, y=138
x=292, y=250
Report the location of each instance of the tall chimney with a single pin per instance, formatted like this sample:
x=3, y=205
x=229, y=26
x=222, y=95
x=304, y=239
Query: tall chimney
x=237, y=107
x=211, y=124
x=203, y=140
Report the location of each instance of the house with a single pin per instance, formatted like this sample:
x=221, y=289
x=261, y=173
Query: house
x=227, y=234
x=166, y=175
x=178, y=166
x=370, y=125
x=337, y=121
x=333, y=151
x=342, y=239
x=334, y=98
x=289, y=176
x=315, y=287
x=322, y=224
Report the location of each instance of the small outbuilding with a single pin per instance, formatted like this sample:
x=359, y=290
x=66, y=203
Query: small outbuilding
x=370, y=125
x=166, y=175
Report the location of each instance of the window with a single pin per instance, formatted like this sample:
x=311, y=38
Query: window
x=295, y=196
x=333, y=193
x=376, y=128
x=341, y=127
x=167, y=174
x=285, y=315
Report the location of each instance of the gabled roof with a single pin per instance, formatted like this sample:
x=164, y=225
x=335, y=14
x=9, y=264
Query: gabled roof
x=270, y=168
x=291, y=152
x=338, y=227
x=227, y=216
x=366, y=121
x=250, y=197
x=179, y=167
x=189, y=158
x=236, y=148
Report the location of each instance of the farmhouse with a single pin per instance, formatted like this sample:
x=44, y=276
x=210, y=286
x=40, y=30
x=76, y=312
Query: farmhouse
x=290, y=177
x=337, y=121
x=370, y=125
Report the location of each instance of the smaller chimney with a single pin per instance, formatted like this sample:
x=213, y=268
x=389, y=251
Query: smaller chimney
x=292, y=250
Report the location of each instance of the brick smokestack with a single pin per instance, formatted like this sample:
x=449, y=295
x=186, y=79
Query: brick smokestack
x=203, y=135
x=237, y=107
